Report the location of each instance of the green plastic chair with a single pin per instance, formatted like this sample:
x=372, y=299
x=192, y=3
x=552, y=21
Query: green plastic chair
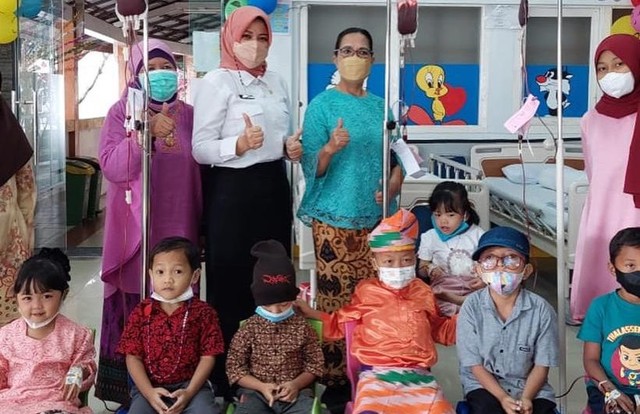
x=318, y=407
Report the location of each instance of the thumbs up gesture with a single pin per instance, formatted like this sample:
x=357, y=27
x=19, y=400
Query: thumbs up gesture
x=293, y=146
x=339, y=138
x=161, y=124
x=251, y=138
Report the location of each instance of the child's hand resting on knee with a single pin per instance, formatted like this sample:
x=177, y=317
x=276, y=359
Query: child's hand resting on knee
x=181, y=401
x=155, y=398
x=287, y=392
x=270, y=392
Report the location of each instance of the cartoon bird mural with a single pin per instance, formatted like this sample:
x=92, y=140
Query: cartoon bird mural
x=431, y=80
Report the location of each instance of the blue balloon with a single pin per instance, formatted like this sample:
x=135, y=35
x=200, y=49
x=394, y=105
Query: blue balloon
x=30, y=8
x=267, y=6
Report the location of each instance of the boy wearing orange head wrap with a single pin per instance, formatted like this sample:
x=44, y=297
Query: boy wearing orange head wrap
x=397, y=326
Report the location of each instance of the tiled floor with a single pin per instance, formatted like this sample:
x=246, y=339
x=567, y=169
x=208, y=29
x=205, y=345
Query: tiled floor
x=85, y=306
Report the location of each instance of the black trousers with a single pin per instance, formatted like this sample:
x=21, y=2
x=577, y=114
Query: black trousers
x=243, y=206
x=483, y=402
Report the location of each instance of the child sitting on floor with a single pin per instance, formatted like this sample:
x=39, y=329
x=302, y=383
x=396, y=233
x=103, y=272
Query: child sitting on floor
x=275, y=356
x=446, y=249
x=509, y=336
x=611, y=332
x=397, y=326
x=46, y=360
x=171, y=339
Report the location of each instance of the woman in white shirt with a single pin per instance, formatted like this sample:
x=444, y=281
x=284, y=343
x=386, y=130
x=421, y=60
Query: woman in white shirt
x=241, y=127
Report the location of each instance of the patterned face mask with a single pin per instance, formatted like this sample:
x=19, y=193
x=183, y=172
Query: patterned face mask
x=503, y=283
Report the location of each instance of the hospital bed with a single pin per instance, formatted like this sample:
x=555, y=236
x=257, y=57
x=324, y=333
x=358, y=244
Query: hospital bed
x=527, y=201
x=414, y=195
x=415, y=192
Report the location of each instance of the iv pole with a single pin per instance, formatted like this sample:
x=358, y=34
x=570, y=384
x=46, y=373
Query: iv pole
x=385, y=122
x=130, y=13
x=562, y=271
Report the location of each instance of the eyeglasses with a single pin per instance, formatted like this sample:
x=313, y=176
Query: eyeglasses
x=347, y=51
x=509, y=262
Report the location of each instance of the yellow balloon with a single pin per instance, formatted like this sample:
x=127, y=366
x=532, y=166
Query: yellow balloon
x=8, y=27
x=8, y=6
x=623, y=26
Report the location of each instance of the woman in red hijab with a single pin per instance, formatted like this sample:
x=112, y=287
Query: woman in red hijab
x=611, y=145
x=242, y=130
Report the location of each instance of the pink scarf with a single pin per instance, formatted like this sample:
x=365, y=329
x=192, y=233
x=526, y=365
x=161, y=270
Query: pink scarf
x=232, y=31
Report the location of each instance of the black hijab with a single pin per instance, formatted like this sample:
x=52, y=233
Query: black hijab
x=16, y=150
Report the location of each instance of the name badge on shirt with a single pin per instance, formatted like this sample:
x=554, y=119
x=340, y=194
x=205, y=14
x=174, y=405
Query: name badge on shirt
x=246, y=97
x=524, y=349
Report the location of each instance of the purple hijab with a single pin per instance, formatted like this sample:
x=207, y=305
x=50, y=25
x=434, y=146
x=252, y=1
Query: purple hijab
x=175, y=200
x=157, y=48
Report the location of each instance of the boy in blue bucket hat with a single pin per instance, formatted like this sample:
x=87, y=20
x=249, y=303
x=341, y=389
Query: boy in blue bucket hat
x=511, y=337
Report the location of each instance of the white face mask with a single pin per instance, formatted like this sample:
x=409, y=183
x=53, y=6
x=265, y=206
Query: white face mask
x=397, y=277
x=617, y=84
x=38, y=325
x=188, y=294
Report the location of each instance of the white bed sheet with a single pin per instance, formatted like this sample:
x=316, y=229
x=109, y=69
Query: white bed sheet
x=537, y=197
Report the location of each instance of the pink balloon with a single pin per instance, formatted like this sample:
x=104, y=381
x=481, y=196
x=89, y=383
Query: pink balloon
x=635, y=18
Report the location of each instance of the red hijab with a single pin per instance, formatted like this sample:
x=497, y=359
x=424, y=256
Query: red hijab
x=627, y=48
x=232, y=31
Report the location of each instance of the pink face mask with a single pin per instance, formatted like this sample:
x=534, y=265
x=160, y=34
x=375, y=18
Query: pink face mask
x=250, y=53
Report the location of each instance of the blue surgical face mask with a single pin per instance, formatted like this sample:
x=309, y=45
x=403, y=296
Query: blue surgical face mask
x=275, y=317
x=163, y=83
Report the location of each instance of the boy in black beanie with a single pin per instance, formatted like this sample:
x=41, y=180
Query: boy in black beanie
x=275, y=356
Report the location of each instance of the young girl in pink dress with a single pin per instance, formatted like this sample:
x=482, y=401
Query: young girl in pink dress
x=46, y=360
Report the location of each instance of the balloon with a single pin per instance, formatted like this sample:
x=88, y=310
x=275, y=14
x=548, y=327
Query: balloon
x=30, y=8
x=8, y=27
x=623, y=26
x=267, y=6
x=635, y=18
x=635, y=2
x=232, y=5
x=8, y=6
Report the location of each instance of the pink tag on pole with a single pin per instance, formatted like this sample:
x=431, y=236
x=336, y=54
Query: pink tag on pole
x=521, y=118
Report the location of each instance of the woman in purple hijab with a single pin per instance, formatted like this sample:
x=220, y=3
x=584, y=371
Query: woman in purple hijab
x=175, y=200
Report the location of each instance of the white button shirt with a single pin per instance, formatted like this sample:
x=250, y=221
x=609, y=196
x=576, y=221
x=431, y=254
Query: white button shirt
x=219, y=104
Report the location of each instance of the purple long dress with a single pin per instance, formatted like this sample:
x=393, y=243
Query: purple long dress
x=176, y=210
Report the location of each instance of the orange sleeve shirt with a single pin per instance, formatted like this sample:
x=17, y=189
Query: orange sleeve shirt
x=395, y=328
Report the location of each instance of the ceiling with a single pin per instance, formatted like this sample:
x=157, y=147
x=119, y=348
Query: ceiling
x=169, y=20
